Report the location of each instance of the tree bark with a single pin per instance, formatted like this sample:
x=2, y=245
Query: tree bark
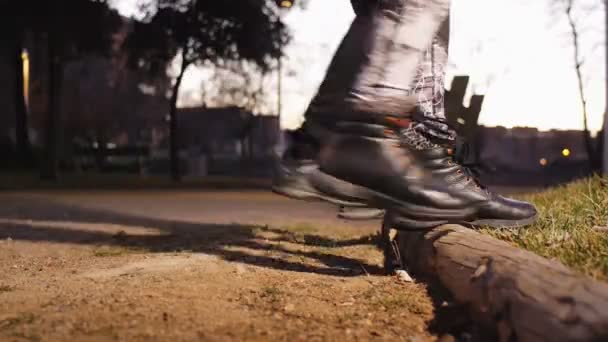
x=518, y=295
x=100, y=154
x=173, y=124
x=21, y=125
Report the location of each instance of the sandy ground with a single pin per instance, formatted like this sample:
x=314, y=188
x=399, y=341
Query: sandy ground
x=182, y=266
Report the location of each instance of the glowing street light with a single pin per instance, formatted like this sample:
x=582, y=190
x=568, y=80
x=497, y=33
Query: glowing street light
x=26, y=76
x=285, y=3
x=566, y=152
x=543, y=162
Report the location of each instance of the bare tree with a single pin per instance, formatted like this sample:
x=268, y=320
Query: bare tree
x=238, y=84
x=575, y=18
x=204, y=33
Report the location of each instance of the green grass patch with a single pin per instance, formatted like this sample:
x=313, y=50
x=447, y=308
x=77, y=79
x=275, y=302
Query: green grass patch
x=569, y=226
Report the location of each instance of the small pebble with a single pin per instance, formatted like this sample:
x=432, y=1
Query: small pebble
x=402, y=275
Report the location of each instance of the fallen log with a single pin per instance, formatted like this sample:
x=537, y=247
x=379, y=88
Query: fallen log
x=518, y=294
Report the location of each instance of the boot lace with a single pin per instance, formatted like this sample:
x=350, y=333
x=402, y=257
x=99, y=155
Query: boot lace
x=439, y=132
x=465, y=157
x=414, y=138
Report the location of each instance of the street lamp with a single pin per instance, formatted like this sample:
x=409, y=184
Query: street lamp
x=285, y=3
x=282, y=4
x=26, y=77
x=544, y=163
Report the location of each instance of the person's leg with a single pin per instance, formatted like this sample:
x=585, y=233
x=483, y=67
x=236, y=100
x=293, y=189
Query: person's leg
x=296, y=176
x=428, y=87
x=373, y=69
x=364, y=100
x=363, y=105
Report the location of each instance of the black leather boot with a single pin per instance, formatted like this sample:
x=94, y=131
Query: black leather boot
x=359, y=214
x=297, y=175
x=446, y=161
x=386, y=173
x=365, y=165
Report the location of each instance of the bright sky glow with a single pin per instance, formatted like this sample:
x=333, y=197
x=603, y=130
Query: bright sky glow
x=518, y=53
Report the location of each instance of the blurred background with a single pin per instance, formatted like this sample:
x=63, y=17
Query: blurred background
x=188, y=91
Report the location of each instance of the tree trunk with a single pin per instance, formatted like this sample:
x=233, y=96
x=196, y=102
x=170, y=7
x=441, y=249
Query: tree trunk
x=100, y=155
x=518, y=295
x=21, y=125
x=49, y=168
x=605, y=140
x=591, y=151
x=173, y=125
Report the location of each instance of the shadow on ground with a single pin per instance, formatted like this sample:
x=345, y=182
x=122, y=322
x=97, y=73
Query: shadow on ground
x=36, y=220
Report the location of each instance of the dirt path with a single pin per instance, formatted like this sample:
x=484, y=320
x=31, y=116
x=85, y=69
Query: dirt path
x=191, y=266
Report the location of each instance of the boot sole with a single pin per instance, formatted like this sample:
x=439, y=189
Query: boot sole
x=502, y=224
x=407, y=224
x=362, y=214
x=313, y=196
x=309, y=193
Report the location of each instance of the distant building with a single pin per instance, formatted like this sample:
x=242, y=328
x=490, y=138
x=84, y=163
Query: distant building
x=227, y=132
x=85, y=87
x=227, y=140
x=526, y=154
x=523, y=148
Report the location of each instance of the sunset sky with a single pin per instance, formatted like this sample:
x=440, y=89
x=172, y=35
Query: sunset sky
x=518, y=53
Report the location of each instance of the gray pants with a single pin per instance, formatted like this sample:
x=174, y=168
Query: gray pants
x=392, y=57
